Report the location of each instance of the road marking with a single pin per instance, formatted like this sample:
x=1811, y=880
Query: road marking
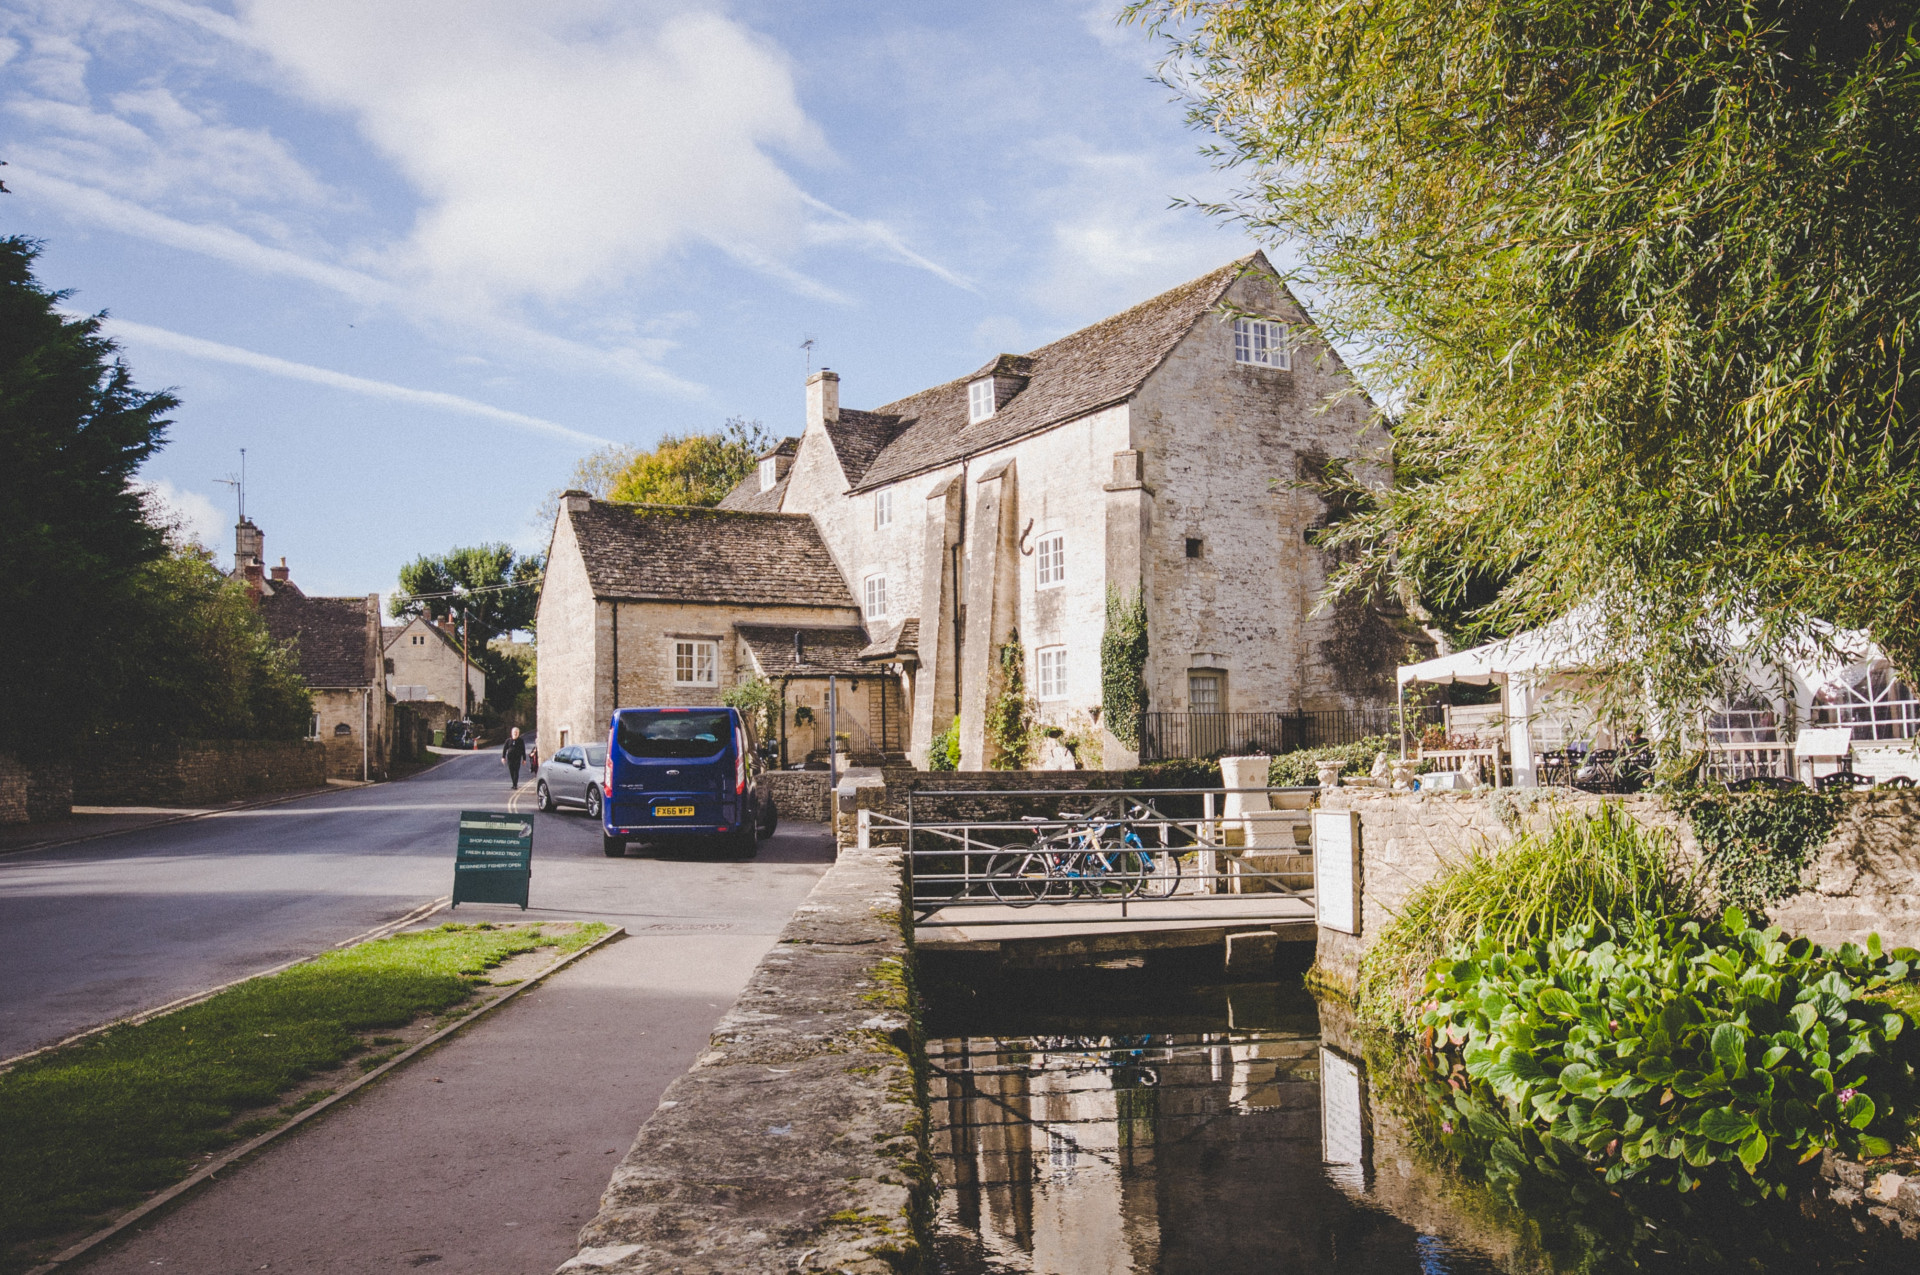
x=134, y=1020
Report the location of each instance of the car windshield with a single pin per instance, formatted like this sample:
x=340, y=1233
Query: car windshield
x=596, y=755
x=682, y=735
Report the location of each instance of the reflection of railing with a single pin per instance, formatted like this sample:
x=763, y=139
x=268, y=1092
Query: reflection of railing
x=1132, y=854
x=1731, y=763
x=1164, y=736
x=1888, y=719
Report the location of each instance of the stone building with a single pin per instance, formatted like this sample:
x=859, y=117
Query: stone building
x=670, y=605
x=426, y=671
x=338, y=650
x=1159, y=454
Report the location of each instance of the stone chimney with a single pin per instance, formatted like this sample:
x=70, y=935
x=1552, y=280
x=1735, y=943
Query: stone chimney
x=575, y=501
x=249, y=543
x=279, y=573
x=823, y=397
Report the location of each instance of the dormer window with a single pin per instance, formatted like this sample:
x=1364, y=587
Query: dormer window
x=769, y=473
x=1263, y=343
x=980, y=402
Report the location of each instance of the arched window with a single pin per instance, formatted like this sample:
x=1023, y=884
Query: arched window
x=1877, y=704
x=343, y=729
x=1746, y=718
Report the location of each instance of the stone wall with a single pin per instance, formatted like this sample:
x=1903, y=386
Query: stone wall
x=800, y=794
x=34, y=794
x=1865, y=879
x=194, y=772
x=796, y=1142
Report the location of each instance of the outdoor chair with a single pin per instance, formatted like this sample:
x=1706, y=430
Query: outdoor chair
x=1845, y=780
x=1898, y=781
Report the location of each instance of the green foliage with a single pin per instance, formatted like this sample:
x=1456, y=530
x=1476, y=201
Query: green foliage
x=1756, y=844
x=74, y=541
x=1683, y=1051
x=1010, y=716
x=1598, y=869
x=489, y=615
x=1123, y=663
x=943, y=750
x=1639, y=280
x=759, y=701
x=1301, y=769
x=204, y=666
x=692, y=469
x=98, y=1125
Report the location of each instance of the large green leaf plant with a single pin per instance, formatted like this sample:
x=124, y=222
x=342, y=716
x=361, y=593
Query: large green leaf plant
x=1676, y=1053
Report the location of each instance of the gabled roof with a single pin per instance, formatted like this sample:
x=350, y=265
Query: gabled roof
x=389, y=634
x=1083, y=372
x=332, y=636
x=749, y=498
x=822, y=650
x=859, y=438
x=688, y=553
x=901, y=641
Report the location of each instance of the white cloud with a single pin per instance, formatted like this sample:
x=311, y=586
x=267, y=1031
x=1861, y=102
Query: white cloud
x=193, y=515
x=219, y=353
x=565, y=148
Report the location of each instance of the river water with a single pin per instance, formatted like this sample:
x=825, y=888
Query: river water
x=1105, y=1126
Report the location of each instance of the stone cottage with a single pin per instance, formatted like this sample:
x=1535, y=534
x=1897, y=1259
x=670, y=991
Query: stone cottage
x=338, y=649
x=671, y=605
x=426, y=671
x=1160, y=455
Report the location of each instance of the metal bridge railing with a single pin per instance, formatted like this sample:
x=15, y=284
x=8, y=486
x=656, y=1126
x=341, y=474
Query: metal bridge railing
x=1101, y=855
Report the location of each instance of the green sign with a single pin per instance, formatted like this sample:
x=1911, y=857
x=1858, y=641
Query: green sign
x=495, y=861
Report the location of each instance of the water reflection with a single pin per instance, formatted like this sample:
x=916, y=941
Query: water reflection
x=1088, y=1128
x=1200, y=1150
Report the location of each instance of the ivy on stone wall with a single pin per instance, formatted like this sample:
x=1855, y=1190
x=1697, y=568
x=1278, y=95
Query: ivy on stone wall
x=1123, y=663
x=1009, y=717
x=1756, y=844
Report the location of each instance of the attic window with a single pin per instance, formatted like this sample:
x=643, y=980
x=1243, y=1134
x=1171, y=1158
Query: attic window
x=769, y=473
x=980, y=402
x=1196, y=547
x=1262, y=343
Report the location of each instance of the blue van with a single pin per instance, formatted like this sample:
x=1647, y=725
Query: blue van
x=684, y=772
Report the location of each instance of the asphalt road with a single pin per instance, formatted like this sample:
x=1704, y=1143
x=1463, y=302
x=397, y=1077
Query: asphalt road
x=103, y=929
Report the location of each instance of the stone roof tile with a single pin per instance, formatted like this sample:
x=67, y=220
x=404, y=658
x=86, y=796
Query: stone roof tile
x=332, y=636
x=822, y=650
x=689, y=553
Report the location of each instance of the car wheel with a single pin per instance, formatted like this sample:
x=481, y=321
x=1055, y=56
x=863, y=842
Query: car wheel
x=615, y=847
x=543, y=800
x=771, y=821
x=593, y=803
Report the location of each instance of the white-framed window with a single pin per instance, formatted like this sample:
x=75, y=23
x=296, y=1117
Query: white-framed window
x=980, y=400
x=1050, y=559
x=769, y=473
x=1262, y=342
x=1050, y=677
x=694, y=663
x=313, y=726
x=876, y=597
x=882, y=509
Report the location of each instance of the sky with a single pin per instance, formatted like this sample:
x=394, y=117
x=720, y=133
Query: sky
x=418, y=257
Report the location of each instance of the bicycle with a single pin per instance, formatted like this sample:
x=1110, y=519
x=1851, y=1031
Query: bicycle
x=1097, y=857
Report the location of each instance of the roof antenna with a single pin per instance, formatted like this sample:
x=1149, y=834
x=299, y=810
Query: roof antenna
x=806, y=344
x=239, y=484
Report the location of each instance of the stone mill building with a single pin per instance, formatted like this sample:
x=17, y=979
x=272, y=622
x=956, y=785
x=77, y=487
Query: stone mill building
x=1158, y=454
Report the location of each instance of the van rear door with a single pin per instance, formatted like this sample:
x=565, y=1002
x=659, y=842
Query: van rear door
x=671, y=769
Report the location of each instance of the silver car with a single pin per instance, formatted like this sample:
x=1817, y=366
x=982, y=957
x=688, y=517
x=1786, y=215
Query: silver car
x=571, y=777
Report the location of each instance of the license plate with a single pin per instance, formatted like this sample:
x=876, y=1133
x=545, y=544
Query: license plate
x=673, y=812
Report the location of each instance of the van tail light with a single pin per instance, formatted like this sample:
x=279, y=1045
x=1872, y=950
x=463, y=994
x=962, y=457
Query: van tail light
x=739, y=764
x=606, y=777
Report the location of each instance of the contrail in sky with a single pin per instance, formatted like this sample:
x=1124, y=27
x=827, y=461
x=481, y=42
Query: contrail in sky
x=219, y=353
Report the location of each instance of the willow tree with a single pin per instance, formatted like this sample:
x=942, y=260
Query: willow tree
x=1639, y=279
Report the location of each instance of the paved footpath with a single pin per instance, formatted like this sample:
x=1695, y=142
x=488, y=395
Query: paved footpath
x=486, y=1154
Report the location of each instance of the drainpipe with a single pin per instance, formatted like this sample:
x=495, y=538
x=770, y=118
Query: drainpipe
x=833, y=733
x=366, y=717
x=616, y=660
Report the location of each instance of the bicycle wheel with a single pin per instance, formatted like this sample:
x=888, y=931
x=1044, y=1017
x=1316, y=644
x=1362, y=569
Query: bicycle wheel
x=1159, y=874
x=1018, y=878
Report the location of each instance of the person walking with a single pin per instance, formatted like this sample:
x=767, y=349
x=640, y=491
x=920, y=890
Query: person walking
x=514, y=754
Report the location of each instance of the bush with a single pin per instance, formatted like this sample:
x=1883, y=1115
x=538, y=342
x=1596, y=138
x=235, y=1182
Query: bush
x=1756, y=844
x=943, y=750
x=1584, y=869
x=1675, y=1052
x=1301, y=769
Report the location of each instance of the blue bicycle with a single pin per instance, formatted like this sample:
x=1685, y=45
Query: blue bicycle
x=1096, y=858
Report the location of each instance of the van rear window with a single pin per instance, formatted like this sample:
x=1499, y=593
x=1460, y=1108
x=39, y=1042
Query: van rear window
x=682, y=735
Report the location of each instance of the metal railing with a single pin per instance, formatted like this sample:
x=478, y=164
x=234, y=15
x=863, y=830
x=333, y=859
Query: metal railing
x=1731, y=763
x=1166, y=736
x=1111, y=854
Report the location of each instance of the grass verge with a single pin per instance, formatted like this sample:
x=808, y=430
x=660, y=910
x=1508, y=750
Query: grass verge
x=96, y=1127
